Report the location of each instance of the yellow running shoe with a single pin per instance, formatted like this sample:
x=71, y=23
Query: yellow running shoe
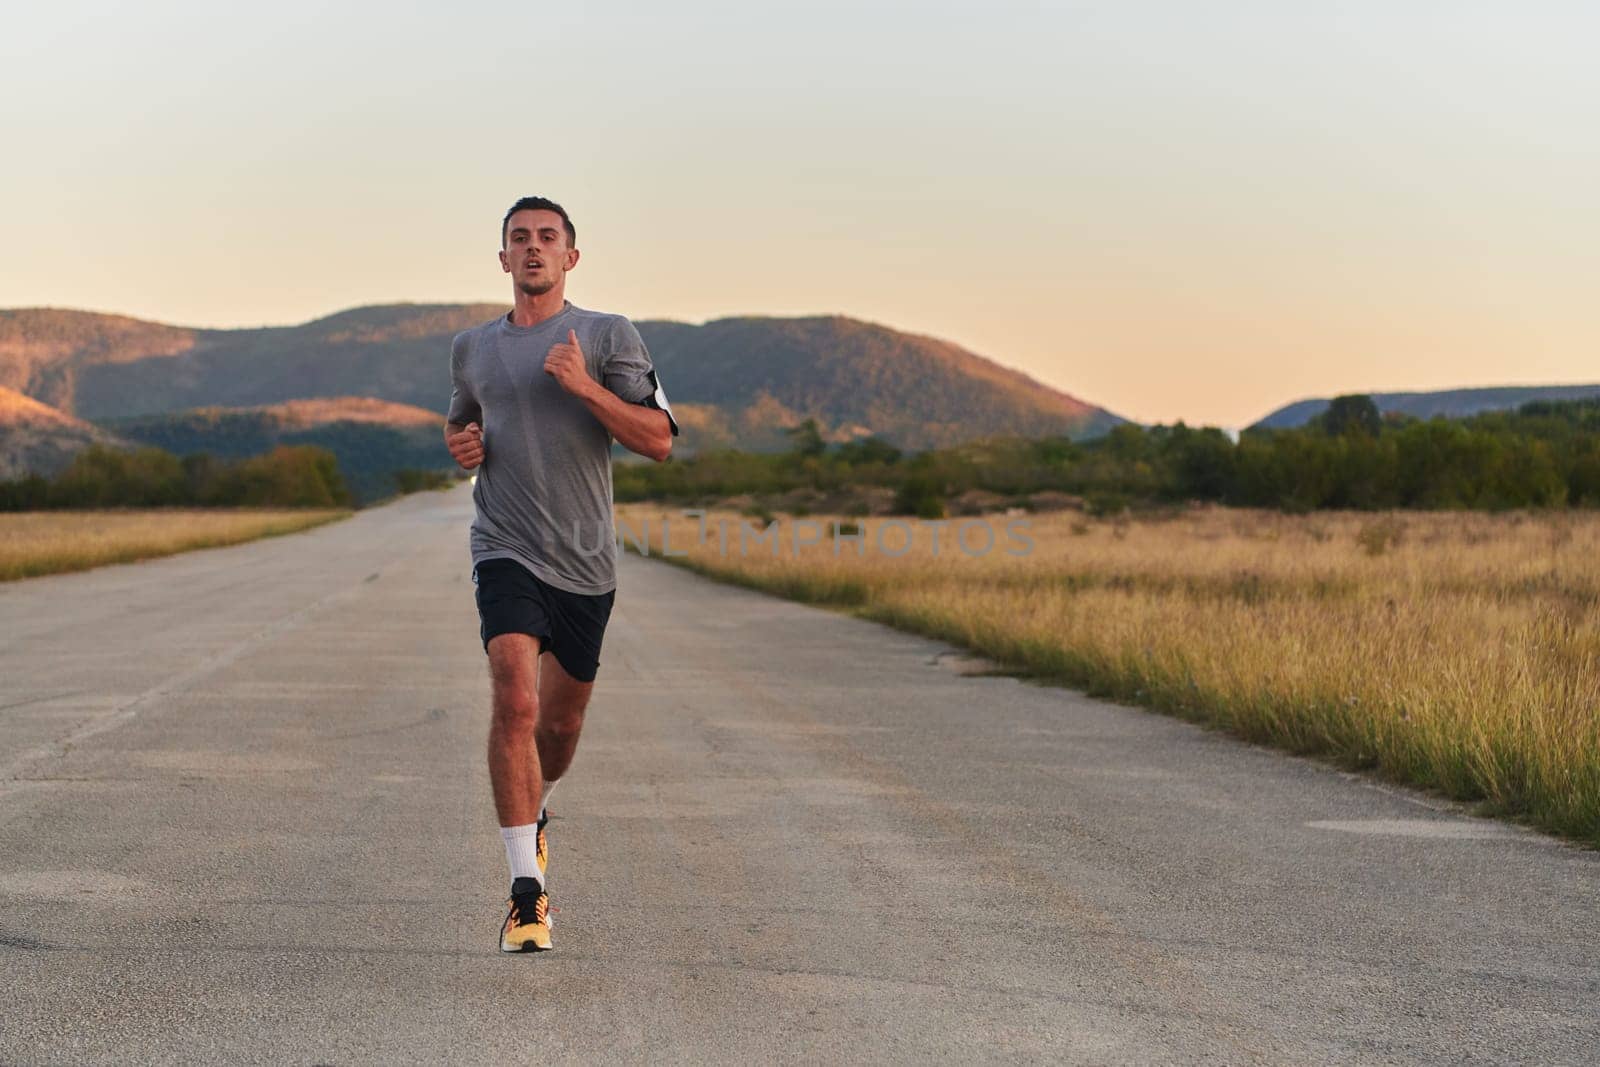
x=527, y=925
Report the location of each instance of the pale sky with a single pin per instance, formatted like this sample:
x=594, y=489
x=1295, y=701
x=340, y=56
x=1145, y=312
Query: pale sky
x=1176, y=210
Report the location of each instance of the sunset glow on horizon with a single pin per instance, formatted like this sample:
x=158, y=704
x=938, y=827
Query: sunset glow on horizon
x=1174, y=211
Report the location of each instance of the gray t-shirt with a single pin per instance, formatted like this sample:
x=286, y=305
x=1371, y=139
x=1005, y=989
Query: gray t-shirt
x=544, y=488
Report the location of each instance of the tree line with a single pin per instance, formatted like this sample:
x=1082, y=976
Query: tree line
x=290, y=476
x=1542, y=455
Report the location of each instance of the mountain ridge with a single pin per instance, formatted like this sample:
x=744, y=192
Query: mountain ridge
x=1426, y=404
x=855, y=377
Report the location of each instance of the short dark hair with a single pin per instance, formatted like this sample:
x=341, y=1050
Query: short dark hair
x=539, y=203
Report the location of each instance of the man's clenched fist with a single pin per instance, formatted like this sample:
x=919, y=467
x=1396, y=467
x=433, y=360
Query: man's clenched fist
x=466, y=447
x=566, y=365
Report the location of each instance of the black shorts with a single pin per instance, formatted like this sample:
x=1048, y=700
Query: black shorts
x=571, y=625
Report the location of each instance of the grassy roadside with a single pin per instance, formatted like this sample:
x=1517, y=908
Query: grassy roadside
x=50, y=542
x=1455, y=652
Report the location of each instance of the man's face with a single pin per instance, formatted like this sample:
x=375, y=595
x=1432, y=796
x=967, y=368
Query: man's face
x=536, y=254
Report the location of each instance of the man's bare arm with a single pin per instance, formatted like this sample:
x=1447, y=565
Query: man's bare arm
x=637, y=428
x=647, y=431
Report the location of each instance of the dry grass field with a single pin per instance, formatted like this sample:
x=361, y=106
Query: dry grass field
x=1455, y=651
x=48, y=542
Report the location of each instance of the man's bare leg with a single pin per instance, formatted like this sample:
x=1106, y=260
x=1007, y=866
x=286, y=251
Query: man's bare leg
x=514, y=770
x=562, y=701
x=514, y=775
x=537, y=716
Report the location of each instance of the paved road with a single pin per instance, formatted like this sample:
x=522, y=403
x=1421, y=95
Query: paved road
x=244, y=816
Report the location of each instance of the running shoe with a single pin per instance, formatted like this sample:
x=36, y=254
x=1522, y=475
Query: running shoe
x=527, y=925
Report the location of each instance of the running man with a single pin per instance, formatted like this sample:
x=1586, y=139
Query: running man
x=537, y=397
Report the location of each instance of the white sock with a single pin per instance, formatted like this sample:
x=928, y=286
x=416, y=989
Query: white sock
x=522, y=843
x=544, y=796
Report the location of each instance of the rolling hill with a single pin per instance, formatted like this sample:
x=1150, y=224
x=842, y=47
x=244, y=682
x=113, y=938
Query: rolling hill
x=1451, y=403
x=737, y=381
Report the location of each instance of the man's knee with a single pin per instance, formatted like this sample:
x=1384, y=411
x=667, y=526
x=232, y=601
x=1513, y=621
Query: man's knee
x=513, y=672
x=516, y=710
x=560, y=723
